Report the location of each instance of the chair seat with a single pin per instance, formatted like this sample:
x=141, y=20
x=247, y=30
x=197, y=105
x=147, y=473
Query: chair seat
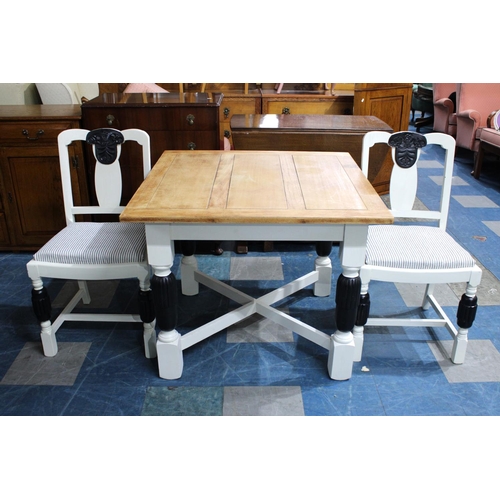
x=414, y=247
x=96, y=243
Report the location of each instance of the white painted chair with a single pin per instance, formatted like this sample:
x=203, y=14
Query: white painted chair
x=417, y=254
x=85, y=251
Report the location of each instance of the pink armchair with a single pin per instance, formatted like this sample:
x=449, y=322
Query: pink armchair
x=445, y=118
x=475, y=102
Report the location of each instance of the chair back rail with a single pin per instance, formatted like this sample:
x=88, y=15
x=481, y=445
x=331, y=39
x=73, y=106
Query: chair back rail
x=404, y=180
x=107, y=176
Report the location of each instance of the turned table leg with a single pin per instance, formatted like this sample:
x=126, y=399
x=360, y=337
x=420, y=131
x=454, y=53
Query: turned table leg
x=323, y=264
x=341, y=355
x=347, y=298
x=164, y=287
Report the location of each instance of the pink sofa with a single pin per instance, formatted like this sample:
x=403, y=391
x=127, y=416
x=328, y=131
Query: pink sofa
x=445, y=119
x=475, y=102
x=489, y=142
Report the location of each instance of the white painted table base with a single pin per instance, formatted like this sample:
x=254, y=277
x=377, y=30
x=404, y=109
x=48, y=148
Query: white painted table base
x=170, y=344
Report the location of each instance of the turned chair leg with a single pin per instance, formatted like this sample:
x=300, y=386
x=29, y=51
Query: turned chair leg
x=147, y=314
x=466, y=314
x=361, y=319
x=43, y=310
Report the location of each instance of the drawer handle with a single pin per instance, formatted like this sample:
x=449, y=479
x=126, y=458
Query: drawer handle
x=192, y=146
x=286, y=111
x=110, y=119
x=38, y=134
x=227, y=134
x=226, y=112
x=190, y=119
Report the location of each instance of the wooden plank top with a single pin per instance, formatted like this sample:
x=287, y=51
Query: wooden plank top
x=270, y=123
x=160, y=99
x=256, y=187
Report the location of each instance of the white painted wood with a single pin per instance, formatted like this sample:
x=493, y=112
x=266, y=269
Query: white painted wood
x=189, y=265
x=107, y=182
x=256, y=232
x=403, y=188
x=323, y=285
x=170, y=359
x=341, y=356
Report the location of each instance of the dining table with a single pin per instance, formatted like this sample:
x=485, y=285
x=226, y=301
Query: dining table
x=289, y=196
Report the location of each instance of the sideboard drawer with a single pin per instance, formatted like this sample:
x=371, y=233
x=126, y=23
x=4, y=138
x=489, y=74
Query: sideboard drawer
x=42, y=132
x=150, y=119
x=309, y=106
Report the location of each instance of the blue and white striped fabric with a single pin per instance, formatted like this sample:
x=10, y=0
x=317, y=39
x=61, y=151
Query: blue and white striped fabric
x=96, y=243
x=414, y=247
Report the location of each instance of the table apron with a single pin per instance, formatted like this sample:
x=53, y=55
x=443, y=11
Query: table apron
x=254, y=232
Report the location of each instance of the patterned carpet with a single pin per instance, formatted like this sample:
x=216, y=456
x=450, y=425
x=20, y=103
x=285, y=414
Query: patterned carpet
x=257, y=367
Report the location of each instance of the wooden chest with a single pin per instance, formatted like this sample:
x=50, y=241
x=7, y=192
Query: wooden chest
x=312, y=133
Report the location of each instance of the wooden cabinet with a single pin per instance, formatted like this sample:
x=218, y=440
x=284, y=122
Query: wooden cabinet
x=172, y=120
x=31, y=200
x=391, y=102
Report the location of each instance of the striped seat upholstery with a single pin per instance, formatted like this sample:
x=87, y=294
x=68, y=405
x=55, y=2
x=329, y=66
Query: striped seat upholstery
x=414, y=247
x=96, y=243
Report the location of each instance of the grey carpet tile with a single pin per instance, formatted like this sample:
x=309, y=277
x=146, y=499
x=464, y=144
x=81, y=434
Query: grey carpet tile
x=494, y=225
x=455, y=181
x=482, y=362
x=263, y=401
x=430, y=164
x=413, y=294
x=31, y=367
x=183, y=401
x=475, y=201
x=256, y=268
x=256, y=328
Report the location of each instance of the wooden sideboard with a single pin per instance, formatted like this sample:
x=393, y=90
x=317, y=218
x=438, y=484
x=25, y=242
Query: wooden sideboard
x=31, y=199
x=172, y=120
x=391, y=102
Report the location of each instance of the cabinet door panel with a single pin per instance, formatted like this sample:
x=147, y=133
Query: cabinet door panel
x=33, y=194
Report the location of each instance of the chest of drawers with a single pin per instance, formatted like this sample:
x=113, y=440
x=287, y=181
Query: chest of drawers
x=172, y=120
